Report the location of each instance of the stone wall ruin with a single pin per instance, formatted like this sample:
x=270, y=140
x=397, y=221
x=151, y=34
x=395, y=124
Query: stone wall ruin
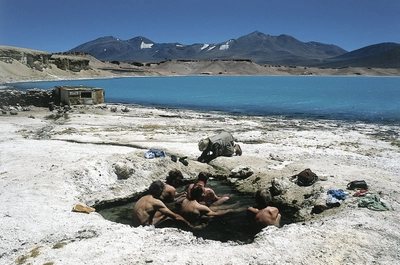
x=31, y=97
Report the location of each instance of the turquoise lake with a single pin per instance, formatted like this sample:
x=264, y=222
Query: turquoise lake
x=368, y=99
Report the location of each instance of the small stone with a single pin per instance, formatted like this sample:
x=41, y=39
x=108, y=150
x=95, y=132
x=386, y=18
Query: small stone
x=83, y=208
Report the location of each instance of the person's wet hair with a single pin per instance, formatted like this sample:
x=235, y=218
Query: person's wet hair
x=196, y=192
x=203, y=176
x=156, y=188
x=263, y=198
x=174, y=178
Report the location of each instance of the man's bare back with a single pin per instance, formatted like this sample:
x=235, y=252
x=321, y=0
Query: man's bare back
x=145, y=209
x=266, y=216
x=144, y=212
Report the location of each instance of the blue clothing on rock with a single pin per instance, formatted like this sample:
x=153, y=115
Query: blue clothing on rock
x=154, y=153
x=338, y=194
x=335, y=198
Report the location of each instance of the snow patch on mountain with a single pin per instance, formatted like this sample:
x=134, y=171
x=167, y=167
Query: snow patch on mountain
x=205, y=46
x=225, y=46
x=146, y=45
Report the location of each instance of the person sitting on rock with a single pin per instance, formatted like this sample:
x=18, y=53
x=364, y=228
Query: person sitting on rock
x=173, y=181
x=146, y=207
x=193, y=210
x=221, y=144
x=210, y=198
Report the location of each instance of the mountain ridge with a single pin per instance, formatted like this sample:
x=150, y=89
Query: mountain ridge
x=258, y=47
x=22, y=65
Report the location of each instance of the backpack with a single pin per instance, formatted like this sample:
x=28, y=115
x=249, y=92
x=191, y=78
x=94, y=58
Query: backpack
x=357, y=184
x=306, y=177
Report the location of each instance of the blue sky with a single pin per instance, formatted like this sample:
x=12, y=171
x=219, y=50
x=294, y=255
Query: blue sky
x=57, y=26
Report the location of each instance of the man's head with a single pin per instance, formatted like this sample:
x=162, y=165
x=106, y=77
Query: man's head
x=203, y=176
x=203, y=144
x=175, y=178
x=263, y=198
x=197, y=192
x=156, y=188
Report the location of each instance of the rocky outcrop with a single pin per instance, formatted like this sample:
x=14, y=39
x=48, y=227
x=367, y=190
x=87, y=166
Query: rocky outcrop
x=34, y=59
x=71, y=64
x=298, y=202
x=38, y=60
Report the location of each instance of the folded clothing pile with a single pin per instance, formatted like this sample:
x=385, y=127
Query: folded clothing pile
x=335, y=198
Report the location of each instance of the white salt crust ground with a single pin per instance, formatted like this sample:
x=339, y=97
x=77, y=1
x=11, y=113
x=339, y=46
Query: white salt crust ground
x=47, y=166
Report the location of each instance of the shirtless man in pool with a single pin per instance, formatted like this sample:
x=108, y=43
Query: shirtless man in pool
x=265, y=217
x=147, y=206
x=209, y=198
x=192, y=209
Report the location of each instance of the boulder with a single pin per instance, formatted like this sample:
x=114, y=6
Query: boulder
x=241, y=172
x=122, y=170
x=299, y=202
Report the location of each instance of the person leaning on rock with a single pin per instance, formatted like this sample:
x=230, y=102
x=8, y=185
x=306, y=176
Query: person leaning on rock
x=146, y=208
x=221, y=144
x=265, y=214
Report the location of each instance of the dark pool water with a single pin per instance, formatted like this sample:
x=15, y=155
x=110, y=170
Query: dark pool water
x=233, y=226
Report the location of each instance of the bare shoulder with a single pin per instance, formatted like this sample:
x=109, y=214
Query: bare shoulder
x=143, y=200
x=272, y=210
x=202, y=208
x=207, y=189
x=158, y=203
x=169, y=188
x=150, y=200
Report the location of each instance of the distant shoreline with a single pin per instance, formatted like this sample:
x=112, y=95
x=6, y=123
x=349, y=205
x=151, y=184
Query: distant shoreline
x=3, y=85
x=16, y=69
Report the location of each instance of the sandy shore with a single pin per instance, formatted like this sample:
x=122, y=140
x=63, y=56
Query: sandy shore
x=48, y=165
